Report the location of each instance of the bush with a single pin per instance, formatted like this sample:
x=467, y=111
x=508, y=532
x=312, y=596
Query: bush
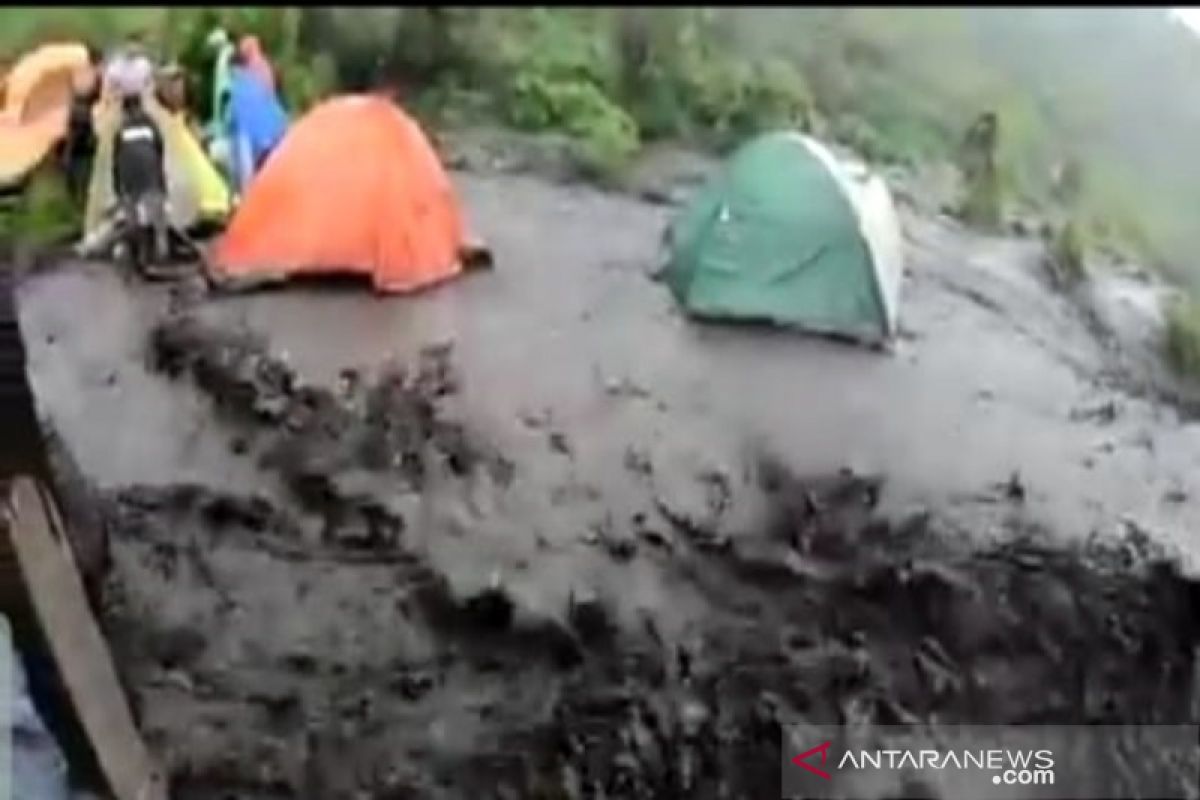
x=22, y=29
x=731, y=99
x=1183, y=336
x=607, y=141
x=43, y=215
x=448, y=103
x=686, y=81
x=606, y=136
x=777, y=95
x=562, y=75
x=305, y=82
x=1067, y=255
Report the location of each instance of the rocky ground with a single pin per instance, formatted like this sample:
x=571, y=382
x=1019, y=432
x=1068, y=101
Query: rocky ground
x=533, y=534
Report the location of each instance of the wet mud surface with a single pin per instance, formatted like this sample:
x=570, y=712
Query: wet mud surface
x=533, y=535
x=275, y=658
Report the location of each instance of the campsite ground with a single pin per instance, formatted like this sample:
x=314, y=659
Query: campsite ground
x=615, y=505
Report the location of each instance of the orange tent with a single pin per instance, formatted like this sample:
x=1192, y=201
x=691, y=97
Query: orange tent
x=37, y=98
x=354, y=187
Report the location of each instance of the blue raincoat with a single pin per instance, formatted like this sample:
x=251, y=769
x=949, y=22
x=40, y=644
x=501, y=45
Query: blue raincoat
x=258, y=123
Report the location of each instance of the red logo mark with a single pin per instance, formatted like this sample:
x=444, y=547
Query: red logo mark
x=823, y=749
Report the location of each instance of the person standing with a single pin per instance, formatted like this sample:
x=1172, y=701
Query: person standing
x=216, y=132
x=221, y=44
x=130, y=72
x=140, y=180
x=258, y=122
x=255, y=60
x=1067, y=251
x=171, y=89
x=978, y=162
x=79, y=149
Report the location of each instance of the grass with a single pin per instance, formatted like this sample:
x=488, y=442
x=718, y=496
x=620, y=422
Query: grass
x=1067, y=254
x=43, y=214
x=1183, y=336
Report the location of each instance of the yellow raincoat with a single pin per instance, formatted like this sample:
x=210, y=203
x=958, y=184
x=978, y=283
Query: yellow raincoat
x=195, y=190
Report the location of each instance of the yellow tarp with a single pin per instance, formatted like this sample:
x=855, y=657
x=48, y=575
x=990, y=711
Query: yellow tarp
x=195, y=190
x=41, y=80
x=23, y=146
x=37, y=97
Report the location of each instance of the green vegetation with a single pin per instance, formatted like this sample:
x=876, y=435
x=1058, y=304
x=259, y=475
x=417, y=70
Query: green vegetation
x=1068, y=267
x=1183, y=336
x=43, y=214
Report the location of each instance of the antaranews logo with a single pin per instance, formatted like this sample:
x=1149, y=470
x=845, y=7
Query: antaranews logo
x=1022, y=767
x=1000, y=767
x=802, y=759
x=993, y=762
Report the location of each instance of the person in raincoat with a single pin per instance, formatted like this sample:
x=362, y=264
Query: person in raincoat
x=217, y=129
x=255, y=60
x=130, y=71
x=139, y=182
x=978, y=162
x=79, y=145
x=1066, y=254
x=140, y=178
x=258, y=122
x=171, y=89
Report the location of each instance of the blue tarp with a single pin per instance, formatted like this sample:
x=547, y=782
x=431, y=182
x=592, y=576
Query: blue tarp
x=257, y=117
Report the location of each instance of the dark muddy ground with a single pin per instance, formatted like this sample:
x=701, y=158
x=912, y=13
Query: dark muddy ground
x=532, y=534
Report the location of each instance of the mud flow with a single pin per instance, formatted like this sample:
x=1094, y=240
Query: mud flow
x=587, y=548
x=303, y=639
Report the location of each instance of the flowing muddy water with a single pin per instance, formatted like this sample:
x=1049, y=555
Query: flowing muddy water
x=533, y=534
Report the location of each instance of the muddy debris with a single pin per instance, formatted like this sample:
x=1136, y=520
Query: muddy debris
x=1014, y=490
x=392, y=428
x=625, y=387
x=491, y=608
x=694, y=500
x=266, y=662
x=637, y=461
x=560, y=444
x=1014, y=632
x=589, y=615
x=1104, y=414
x=1176, y=496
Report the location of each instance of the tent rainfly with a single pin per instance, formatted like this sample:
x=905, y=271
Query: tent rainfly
x=788, y=234
x=354, y=187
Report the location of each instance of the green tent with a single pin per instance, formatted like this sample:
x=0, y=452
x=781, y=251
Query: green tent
x=788, y=234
